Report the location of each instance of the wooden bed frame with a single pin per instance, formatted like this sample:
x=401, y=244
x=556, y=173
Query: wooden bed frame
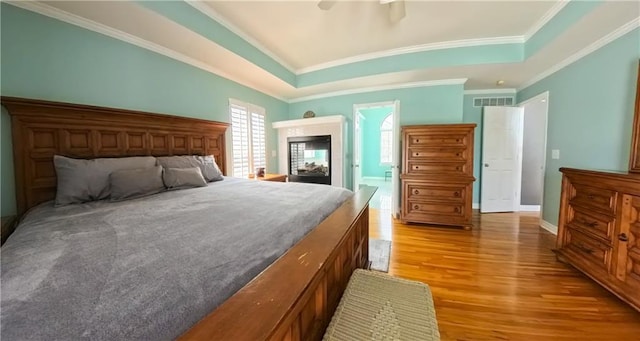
x=293, y=299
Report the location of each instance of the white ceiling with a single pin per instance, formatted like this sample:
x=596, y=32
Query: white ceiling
x=301, y=36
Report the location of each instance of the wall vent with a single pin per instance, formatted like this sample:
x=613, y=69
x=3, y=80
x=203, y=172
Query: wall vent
x=492, y=101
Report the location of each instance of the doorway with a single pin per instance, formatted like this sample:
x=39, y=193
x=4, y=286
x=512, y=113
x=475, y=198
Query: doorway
x=514, y=156
x=534, y=153
x=376, y=152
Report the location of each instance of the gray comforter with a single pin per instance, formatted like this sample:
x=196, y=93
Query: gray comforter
x=150, y=268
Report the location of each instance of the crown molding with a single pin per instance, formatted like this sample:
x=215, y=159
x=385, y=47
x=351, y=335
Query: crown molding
x=337, y=119
x=490, y=91
x=211, y=13
x=552, y=12
x=617, y=33
x=412, y=49
x=94, y=26
x=457, y=81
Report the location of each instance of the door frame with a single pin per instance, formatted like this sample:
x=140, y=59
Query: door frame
x=540, y=97
x=395, y=152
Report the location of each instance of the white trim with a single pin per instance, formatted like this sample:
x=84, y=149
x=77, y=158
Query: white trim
x=619, y=32
x=373, y=105
x=548, y=226
x=308, y=121
x=490, y=91
x=475, y=206
x=413, y=49
x=529, y=208
x=91, y=25
x=211, y=13
x=552, y=12
x=380, y=88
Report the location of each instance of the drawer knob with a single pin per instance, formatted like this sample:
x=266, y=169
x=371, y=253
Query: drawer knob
x=585, y=249
x=591, y=196
x=591, y=224
x=457, y=154
x=456, y=194
x=458, y=168
x=417, y=141
x=415, y=207
x=416, y=192
x=416, y=167
x=416, y=154
x=456, y=209
x=457, y=140
x=623, y=237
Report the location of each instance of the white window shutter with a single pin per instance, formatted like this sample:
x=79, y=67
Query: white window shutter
x=249, y=142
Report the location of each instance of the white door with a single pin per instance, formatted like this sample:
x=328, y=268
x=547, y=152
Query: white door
x=395, y=162
x=501, y=159
x=357, y=149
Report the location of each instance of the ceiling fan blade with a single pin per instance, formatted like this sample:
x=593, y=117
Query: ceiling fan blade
x=326, y=5
x=396, y=11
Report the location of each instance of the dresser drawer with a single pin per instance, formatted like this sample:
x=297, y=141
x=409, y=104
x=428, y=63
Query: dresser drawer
x=437, y=154
x=433, y=212
x=598, y=198
x=427, y=139
x=588, y=249
x=418, y=207
x=426, y=168
x=439, y=192
x=591, y=222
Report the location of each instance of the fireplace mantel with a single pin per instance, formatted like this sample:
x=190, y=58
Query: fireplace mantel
x=333, y=125
x=333, y=119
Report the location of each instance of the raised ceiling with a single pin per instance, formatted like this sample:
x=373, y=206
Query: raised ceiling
x=292, y=50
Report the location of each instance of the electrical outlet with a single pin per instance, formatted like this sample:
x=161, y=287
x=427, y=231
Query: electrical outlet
x=555, y=154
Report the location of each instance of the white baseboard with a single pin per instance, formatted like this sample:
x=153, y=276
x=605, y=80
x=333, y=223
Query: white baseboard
x=529, y=208
x=372, y=178
x=549, y=226
x=475, y=205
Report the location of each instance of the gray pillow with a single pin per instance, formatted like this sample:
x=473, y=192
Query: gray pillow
x=179, y=178
x=207, y=164
x=210, y=169
x=135, y=183
x=81, y=180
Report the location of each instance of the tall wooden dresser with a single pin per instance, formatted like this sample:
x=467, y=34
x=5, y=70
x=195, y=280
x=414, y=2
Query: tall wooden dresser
x=599, y=229
x=437, y=174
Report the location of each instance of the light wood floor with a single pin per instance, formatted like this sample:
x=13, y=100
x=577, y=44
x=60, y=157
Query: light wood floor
x=500, y=281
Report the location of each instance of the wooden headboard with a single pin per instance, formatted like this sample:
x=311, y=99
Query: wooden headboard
x=41, y=129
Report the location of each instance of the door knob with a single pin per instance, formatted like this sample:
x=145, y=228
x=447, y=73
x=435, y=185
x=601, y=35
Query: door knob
x=486, y=165
x=623, y=237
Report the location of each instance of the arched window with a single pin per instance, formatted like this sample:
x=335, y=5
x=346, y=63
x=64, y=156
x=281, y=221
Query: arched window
x=386, y=140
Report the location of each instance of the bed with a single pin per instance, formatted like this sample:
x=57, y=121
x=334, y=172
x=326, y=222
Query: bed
x=292, y=299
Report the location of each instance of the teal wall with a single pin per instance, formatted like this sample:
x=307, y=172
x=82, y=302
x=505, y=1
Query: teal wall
x=44, y=58
x=420, y=105
x=474, y=115
x=590, y=113
x=371, y=166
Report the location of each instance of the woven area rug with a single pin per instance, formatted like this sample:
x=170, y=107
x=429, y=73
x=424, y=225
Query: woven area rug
x=379, y=253
x=376, y=306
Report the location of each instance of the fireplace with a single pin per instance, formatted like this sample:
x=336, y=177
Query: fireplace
x=310, y=159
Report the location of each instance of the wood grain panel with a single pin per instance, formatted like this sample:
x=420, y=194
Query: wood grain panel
x=634, y=157
x=42, y=129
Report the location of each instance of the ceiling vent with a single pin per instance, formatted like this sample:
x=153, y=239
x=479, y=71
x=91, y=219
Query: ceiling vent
x=492, y=101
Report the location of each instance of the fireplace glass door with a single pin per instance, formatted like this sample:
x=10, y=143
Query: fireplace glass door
x=310, y=159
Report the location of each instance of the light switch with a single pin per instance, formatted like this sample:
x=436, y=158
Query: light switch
x=273, y=153
x=555, y=154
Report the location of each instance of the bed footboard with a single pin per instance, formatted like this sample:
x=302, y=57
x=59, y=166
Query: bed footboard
x=296, y=296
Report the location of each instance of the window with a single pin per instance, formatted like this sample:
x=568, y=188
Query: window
x=386, y=140
x=249, y=144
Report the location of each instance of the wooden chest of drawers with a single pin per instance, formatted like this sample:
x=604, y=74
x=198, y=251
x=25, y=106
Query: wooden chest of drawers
x=599, y=229
x=437, y=174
